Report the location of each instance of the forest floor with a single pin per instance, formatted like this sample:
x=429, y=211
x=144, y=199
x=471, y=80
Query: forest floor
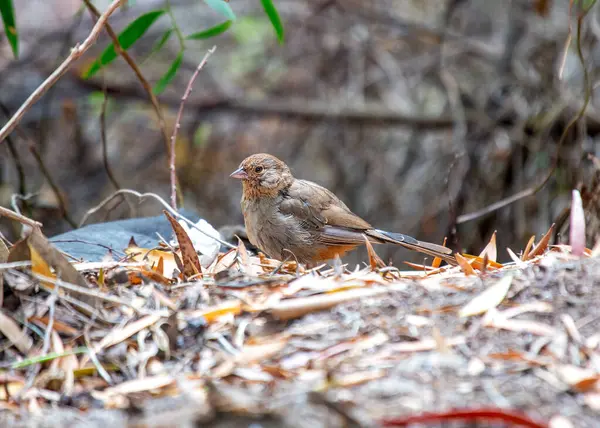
x=253, y=341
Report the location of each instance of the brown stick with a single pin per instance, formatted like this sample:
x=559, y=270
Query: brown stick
x=138, y=73
x=186, y=94
x=61, y=201
x=5, y=212
x=75, y=54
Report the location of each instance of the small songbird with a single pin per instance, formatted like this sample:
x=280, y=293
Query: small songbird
x=286, y=217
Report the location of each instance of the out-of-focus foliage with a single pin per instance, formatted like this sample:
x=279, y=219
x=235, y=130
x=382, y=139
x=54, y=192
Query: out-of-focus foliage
x=136, y=29
x=127, y=38
x=10, y=28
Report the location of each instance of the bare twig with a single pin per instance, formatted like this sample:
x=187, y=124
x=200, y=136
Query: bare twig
x=186, y=94
x=19, y=167
x=107, y=167
x=75, y=54
x=5, y=212
x=138, y=73
x=55, y=189
x=162, y=202
x=580, y=114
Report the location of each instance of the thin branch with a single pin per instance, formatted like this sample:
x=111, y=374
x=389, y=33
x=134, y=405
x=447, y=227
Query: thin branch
x=138, y=73
x=75, y=54
x=107, y=167
x=162, y=202
x=53, y=185
x=5, y=212
x=580, y=114
x=186, y=94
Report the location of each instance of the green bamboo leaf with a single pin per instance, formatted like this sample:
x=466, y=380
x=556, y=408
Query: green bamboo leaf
x=169, y=75
x=10, y=28
x=211, y=32
x=164, y=39
x=273, y=15
x=127, y=38
x=48, y=357
x=221, y=7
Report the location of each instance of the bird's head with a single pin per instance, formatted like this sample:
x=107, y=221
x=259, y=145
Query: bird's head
x=263, y=175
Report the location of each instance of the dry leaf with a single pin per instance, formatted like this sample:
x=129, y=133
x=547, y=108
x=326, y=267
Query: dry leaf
x=577, y=225
x=477, y=262
x=243, y=255
x=518, y=262
x=40, y=267
x=119, y=334
x=579, y=379
x=525, y=255
x=539, y=249
x=358, y=378
x=295, y=308
x=497, y=319
x=489, y=298
x=428, y=344
x=490, y=249
x=14, y=334
x=191, y=263
x=559, y=421
x=464, y=265
x=437, y=261
x=374, y=259
x=62, y=268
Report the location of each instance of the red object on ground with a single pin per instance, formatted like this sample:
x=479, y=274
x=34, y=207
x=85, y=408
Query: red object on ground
x=494, y=415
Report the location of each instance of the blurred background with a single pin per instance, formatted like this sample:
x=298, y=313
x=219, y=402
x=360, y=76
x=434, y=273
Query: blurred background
x=414, y=112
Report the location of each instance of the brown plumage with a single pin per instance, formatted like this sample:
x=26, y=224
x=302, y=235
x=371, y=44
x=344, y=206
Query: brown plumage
x=286, y=217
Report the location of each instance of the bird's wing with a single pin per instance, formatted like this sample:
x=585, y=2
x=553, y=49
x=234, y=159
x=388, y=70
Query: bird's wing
x=323, y=213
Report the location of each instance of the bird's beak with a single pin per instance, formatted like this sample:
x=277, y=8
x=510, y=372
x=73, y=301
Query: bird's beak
x=239, y=173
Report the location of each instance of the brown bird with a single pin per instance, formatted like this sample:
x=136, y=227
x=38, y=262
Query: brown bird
x=287, y=217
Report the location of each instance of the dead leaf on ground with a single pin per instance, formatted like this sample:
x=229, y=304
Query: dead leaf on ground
x=464, y=265
x=488, y=299
x=490, y=249
x=374, y=260
x=577, y=225
x=541, y=246
x=191, y=263
x=15, y=334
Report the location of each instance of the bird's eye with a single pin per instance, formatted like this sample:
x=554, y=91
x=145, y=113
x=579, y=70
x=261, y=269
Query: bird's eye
x=258, y=169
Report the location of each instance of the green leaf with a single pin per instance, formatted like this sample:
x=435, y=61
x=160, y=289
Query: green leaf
x=273, y=15
x=169, y=75
x=48, y=357
x=221, y=7
x=127, y=38
x=164, y=39
x=10, y=28
x=211, y=32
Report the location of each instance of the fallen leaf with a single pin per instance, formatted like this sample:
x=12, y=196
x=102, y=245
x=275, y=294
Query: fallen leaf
x=427, y=344
x=40, y=267
x=577, y=225
x=490, y=249
x=528, y=247
x=191, y=263
x=14, y=334
x=579, y=379
x=295, y=308
x=464, y=265
x=489, y=298
x=437, y=261
x=541, y=246
x=560, y=421
x=357, y=378
x=374, y=260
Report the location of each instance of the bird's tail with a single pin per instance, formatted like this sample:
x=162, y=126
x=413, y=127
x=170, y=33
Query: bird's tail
x=411, y=243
